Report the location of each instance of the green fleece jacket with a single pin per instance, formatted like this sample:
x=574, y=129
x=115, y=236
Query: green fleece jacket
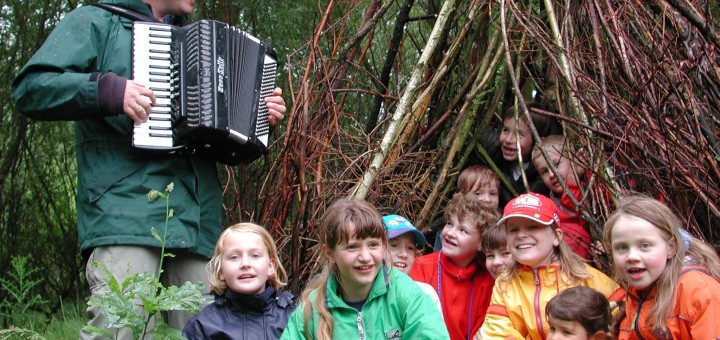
x=60, y=82
x=396, y=308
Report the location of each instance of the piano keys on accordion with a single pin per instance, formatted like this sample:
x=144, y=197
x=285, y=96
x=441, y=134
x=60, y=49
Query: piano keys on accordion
x=209, y=80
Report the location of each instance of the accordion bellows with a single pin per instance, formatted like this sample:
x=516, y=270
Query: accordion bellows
x=210, y=81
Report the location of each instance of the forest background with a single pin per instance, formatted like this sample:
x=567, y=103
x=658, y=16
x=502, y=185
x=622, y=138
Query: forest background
x=387, y=98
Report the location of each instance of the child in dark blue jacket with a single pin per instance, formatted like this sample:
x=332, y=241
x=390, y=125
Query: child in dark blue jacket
x=246, y=277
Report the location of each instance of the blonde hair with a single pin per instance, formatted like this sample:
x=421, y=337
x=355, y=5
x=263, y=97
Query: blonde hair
x=344, y=219
x=556, y=143
x=659, y=215
x=477, y=173
x=569, y=263
x=214, y=267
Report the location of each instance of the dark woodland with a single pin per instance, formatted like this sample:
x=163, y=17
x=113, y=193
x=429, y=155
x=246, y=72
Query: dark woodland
x=386, y=100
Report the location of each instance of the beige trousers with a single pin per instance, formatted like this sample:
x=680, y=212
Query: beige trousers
x=124, y=261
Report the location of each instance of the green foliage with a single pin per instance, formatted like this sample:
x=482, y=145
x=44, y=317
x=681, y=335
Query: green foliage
x=18, y=288
x=14, y=333
x=141, y=298
x=67, y=321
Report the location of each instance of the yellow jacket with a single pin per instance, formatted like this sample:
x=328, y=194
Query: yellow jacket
x=517, y=307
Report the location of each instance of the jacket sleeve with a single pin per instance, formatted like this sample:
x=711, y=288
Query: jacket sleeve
x=423, y=320
x=700, y=300
x=193, y=330
x=60, y=82
x=497, y=323
x=295, y=328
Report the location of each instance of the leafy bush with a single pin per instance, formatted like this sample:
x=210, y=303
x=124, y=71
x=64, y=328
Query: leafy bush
x=17, y=307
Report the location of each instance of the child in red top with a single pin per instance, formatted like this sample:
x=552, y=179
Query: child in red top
x=457, y=272
x=572, y=223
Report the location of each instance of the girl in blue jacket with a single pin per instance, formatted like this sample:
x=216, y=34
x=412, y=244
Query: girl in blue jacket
x=356, y=296
x=246, y=277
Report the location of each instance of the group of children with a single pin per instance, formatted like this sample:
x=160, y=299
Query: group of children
x=519, y=275
x=530, y=286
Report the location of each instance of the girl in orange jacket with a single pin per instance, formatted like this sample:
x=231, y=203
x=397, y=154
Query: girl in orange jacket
x=671, y=276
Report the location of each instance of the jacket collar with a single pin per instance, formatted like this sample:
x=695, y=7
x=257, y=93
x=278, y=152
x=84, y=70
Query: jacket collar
x=458, y=273
x=136, y=5
x=142, y=7
x=642, y=294
x=247, y=302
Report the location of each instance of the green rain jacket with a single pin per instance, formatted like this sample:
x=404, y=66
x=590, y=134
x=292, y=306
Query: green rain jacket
x=395, y=309
x=60, y=82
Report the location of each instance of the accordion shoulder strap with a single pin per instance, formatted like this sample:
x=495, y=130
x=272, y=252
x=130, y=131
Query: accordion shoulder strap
x=126, y=12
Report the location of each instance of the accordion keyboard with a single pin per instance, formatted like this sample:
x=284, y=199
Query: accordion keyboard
x=152, y=66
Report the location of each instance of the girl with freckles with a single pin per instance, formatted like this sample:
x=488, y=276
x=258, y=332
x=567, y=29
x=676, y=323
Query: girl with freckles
x=357, y=296
x=246, y=278
x=672, y=283
x=544, y=266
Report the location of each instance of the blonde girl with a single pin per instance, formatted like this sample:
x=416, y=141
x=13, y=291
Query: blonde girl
x=356, y=296
x=246, y=278
x=671, y=276
x=545, y=266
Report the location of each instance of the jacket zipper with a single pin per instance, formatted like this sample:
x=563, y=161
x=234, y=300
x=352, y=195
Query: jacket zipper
x=636, y=323
x=538, y=315
x=361, y=330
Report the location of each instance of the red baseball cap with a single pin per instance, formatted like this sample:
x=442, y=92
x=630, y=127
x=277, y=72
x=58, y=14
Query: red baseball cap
x=536, y=207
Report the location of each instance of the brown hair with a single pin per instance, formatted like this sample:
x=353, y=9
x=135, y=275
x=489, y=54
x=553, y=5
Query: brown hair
x=583, y=304
x=659, y=215
x=494, y=238
x=344, y=219
x=469, y=209
x=214, y=267
x=477, y=173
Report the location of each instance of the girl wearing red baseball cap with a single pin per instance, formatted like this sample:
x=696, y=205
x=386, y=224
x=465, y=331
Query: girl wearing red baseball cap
x=545, y=266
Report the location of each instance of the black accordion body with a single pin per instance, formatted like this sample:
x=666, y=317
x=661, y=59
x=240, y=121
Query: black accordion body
x=210, y=81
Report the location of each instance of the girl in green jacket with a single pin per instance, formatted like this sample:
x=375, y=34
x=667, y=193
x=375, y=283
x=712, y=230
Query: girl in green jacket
x=356, y=296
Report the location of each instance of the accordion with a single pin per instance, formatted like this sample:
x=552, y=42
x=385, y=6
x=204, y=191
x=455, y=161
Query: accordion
x=210, y=81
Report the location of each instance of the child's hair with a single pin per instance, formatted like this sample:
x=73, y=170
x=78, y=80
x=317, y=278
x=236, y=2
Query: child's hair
x=214, y=267
x=583, y=304
x=344, y=219
x=494, y=238
x=688, y=249
x=470, y=210
x=557, y=143
x=545, y=125
x=569, y=263
x=477, y=173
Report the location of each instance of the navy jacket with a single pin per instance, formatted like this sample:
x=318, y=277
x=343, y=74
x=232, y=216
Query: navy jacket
x=241, y=316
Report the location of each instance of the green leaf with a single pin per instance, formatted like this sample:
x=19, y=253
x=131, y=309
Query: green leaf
x=187, y=297
x=163, y=331
x=97, y=331
x=155, y=234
